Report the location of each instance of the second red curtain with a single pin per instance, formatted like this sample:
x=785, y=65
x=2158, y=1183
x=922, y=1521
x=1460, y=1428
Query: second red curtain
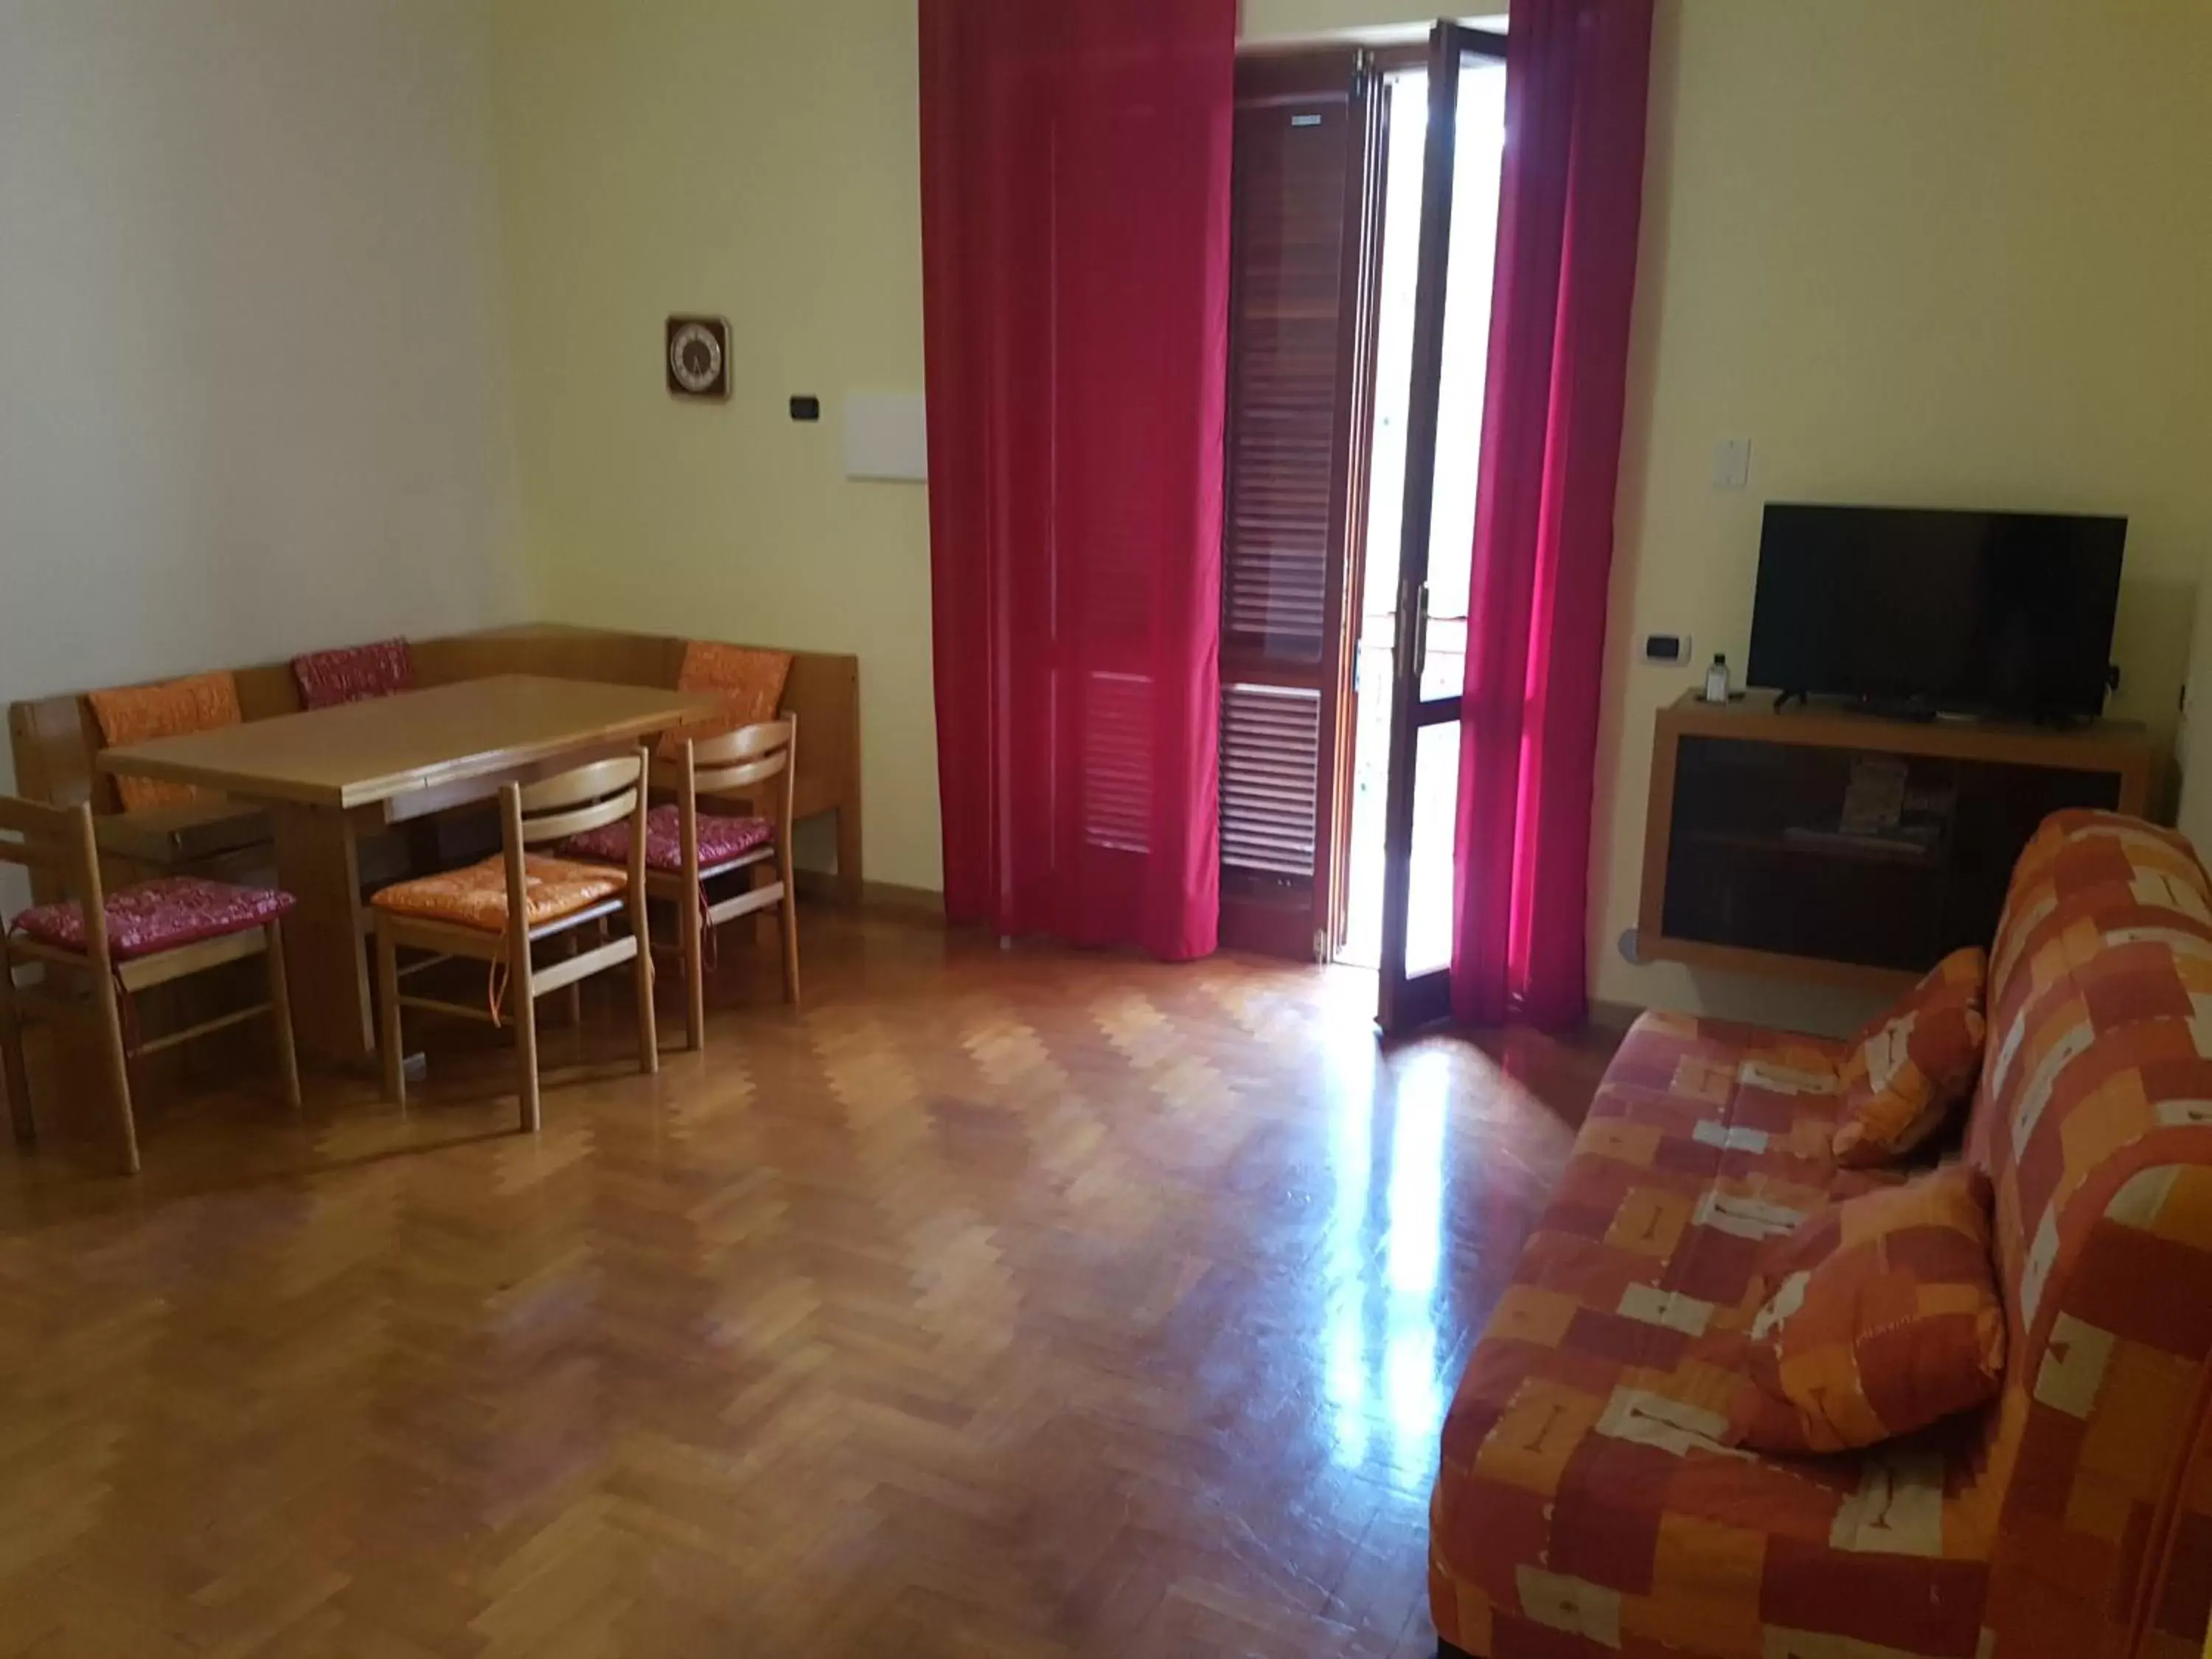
x=1577, y=77
x=1075, y=207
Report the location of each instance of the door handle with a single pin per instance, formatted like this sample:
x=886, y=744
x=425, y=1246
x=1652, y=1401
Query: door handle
x=1421, y=636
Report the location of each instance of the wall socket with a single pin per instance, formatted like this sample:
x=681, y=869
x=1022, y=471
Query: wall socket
x=1668, y=650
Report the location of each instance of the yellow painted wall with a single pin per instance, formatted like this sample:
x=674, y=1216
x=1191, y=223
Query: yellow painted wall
x=1951, y=254
x=1947, y=254
x=1265, y=21
x=757, y=161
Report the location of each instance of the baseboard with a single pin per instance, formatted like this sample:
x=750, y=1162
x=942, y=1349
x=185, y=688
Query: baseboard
x=882, y=896
x=1614, y=1016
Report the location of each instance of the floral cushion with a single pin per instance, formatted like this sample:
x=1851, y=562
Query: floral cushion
x=158, y=915
x=358, y=674
x=1881, y=1317
x=721, y=840
x=139, y=714
x=1914, y=1065
x=476, y=897
x=749, y=682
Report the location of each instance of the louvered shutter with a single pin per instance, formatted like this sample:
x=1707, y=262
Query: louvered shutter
x=1270, y=768
x=1304, y=150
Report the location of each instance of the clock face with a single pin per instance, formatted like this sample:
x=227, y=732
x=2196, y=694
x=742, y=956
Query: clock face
x=695, y=358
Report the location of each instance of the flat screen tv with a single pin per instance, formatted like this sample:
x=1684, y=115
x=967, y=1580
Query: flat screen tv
x=1923, y=611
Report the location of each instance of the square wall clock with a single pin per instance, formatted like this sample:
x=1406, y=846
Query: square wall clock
x=697, y=359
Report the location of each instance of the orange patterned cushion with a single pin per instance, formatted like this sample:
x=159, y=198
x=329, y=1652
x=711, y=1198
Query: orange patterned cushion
x=1881, y=1317
x=749, y=682
x=1914, y=1065
x=476, y=897
x=139, y=714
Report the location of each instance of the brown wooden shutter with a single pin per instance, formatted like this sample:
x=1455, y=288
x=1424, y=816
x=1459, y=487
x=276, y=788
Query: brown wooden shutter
x=1306, y=150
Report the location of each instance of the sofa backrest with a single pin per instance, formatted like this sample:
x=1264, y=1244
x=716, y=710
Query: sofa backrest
x=2093, y=1119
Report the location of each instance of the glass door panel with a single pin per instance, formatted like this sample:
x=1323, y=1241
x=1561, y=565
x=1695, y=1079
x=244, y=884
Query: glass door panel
x=1463, y=149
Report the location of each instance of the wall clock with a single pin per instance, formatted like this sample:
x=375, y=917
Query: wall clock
x=697, y=358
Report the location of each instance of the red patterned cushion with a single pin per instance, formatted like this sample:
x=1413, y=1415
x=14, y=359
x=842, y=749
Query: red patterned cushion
x=158, y=915
x=720, y=839
x=358, y=674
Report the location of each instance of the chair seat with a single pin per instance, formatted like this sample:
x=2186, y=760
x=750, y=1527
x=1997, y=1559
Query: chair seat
x=476, y=897
x=721, y=840
x=155, y=916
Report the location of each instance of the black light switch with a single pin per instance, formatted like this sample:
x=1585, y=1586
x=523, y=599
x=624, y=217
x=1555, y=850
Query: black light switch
x=807, y=409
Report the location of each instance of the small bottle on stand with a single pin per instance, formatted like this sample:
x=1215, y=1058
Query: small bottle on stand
x=1716, y=681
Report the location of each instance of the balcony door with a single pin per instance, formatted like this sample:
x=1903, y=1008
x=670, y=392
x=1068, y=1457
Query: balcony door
x=1461, y=166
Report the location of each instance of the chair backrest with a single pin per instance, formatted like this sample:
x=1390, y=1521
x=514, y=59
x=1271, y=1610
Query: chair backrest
x=2093, y=1119
x=739, y=761
x=746, y=763
x=573, y=802
x=59, y=841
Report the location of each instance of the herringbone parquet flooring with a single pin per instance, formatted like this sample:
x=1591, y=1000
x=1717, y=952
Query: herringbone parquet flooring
x=1000, y=1303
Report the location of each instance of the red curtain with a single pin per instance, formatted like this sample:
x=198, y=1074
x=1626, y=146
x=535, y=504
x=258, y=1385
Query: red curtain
x=1075, y=229
x=1576, y=77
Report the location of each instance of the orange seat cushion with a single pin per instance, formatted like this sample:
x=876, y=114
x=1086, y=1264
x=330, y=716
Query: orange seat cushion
x=140, y=714
x=1913, y=1066
x=476, y=897
x=1881, y=1317
x=749, y=683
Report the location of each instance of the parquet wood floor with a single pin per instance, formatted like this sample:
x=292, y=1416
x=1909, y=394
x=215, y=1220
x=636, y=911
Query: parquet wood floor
x=1000, y=1303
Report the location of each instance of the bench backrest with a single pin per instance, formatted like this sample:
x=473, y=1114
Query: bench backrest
x=55, y=739
x=2093, y=1119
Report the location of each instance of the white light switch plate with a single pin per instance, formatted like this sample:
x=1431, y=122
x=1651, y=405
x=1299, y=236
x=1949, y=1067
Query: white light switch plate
x=1732, y=464
x=887, y=436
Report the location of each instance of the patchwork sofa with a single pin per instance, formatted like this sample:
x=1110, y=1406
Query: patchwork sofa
x=1584, y=1505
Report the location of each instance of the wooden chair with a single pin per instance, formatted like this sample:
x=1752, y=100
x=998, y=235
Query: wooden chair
x=111, y=946
x=708, y=866
x=495, y=912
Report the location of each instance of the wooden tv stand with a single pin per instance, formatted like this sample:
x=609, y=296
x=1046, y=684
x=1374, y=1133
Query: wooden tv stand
x=1748, y=864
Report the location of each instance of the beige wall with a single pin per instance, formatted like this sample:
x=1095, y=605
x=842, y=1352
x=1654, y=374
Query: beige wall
x=759, y=162
x=252, y=385
x=1945, y=255
x=1308, y=20
x=1952, y=255
x=2193, y=743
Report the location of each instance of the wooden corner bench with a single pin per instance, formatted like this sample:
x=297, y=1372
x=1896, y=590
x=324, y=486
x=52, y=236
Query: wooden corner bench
x=56, y=741
x=288, y=816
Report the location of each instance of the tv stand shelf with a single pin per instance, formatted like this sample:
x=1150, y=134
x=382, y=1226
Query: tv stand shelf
x=1831, y=844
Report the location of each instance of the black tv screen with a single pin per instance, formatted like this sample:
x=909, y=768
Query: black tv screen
x=2002, y=613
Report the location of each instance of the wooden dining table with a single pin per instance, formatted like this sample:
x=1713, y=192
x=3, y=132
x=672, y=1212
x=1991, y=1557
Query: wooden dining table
x=328, y=777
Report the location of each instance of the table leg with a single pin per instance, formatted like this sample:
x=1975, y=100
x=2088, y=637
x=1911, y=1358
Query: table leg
x=319, y=863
